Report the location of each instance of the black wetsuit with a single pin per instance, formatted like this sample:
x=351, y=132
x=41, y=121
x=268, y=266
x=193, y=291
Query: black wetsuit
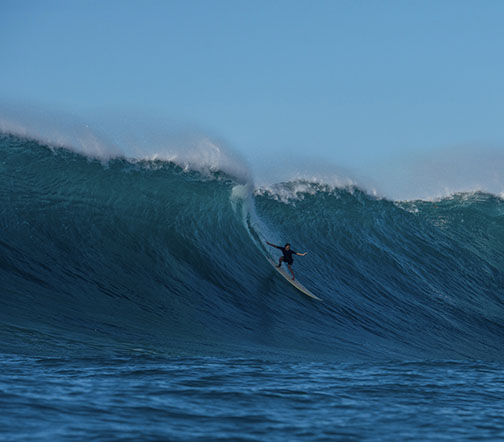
x=287, y=255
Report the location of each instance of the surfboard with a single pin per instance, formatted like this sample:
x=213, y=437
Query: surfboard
x=295, y=283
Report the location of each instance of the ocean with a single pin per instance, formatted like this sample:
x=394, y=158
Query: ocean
x=137, y=303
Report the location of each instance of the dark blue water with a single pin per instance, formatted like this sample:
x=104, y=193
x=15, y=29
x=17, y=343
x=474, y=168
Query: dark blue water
x=136, y=302
x=196, y=398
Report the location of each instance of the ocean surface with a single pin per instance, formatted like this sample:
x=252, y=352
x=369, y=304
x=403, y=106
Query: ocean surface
x=137, y=303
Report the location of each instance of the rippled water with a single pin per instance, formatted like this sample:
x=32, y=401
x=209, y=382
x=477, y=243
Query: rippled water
x=146, y=398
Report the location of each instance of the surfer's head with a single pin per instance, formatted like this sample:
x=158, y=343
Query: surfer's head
x=287, y=246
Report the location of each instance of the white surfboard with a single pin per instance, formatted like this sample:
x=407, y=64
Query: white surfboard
x=295, y=283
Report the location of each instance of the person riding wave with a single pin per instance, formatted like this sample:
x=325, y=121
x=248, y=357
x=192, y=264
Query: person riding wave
x=287, y=256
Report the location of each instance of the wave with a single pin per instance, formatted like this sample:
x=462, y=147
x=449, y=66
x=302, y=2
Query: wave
x=148, y=254
x=188, y=148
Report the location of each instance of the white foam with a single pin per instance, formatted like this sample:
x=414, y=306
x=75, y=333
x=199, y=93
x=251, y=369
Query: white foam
x=190, y=151
x=298, y=188
x=428, y=177
x=81, y=139
x=202, y=155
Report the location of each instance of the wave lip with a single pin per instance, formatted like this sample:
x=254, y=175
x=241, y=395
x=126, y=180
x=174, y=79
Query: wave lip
x=189, y=149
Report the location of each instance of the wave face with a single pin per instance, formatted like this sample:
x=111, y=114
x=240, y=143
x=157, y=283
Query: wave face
x=146, y=255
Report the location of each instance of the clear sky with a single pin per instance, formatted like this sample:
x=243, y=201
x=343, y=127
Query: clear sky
x=354, y=83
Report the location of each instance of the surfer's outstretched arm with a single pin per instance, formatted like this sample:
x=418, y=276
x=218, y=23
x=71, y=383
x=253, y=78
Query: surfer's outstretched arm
x=273, y=245
x=301, y=254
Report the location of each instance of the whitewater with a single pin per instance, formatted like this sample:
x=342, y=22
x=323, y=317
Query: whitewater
x=138, y=288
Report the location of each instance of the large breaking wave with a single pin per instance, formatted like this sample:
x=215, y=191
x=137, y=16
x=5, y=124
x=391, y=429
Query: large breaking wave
x=157, y=256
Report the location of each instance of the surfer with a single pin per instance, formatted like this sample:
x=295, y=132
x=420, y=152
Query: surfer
x=287, y=256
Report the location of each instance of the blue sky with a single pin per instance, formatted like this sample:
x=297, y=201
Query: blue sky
x=352, y=83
